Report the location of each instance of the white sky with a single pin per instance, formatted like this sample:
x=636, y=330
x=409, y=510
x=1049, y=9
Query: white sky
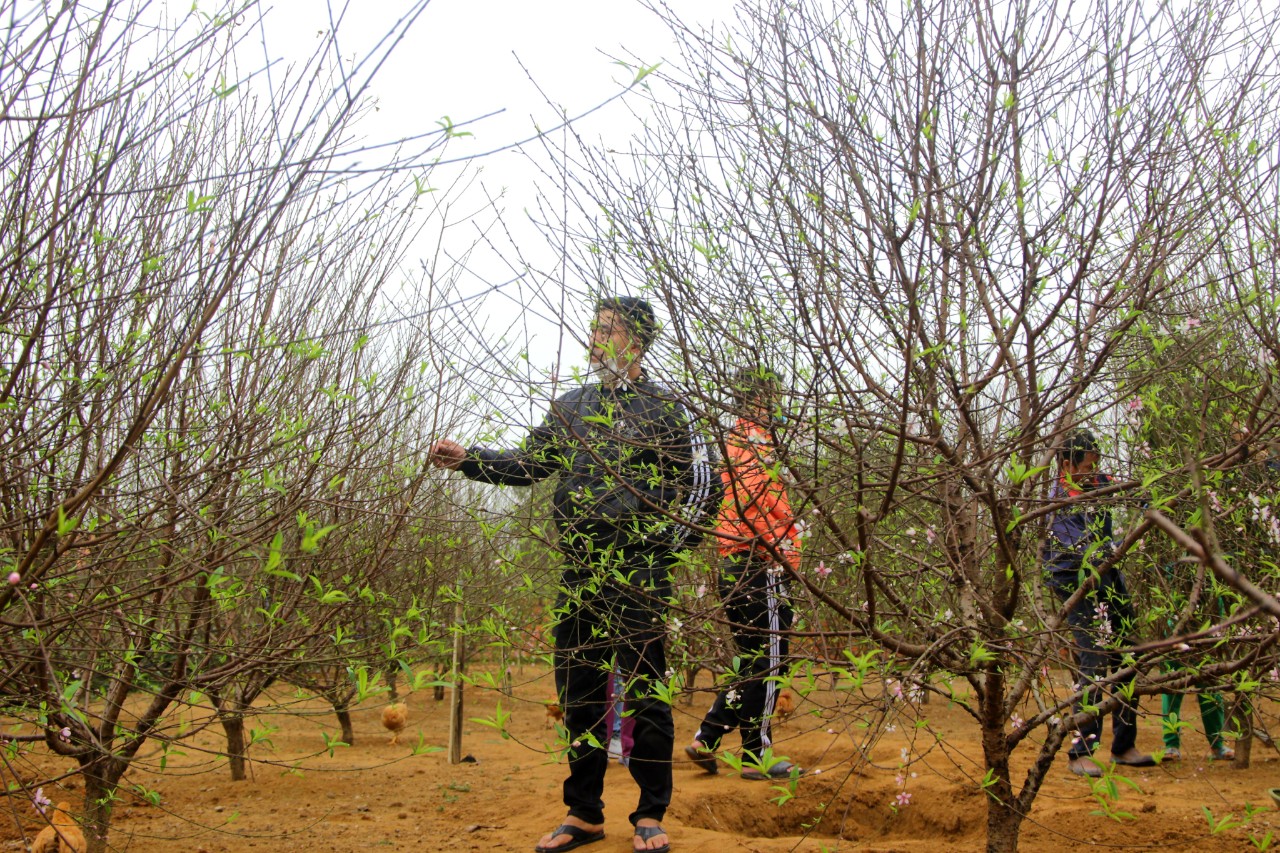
x=463, y=59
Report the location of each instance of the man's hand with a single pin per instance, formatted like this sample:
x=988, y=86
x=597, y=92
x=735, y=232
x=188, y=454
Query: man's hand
x=447, y=454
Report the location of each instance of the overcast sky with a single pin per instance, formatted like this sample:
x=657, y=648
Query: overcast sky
x=469, y=58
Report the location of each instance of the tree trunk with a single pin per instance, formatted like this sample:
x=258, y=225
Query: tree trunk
x=344, y=720
x=1243, y=716
x=1003, y=826
x=1003, y=818
x=690, y=680
x=505, y=663
x=233, y=726
x=393, y=676
x=100, y=779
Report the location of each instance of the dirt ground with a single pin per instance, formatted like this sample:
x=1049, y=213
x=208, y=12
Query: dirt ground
x=375, y=796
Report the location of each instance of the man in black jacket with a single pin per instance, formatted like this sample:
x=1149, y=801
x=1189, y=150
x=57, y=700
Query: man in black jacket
x=631, y=473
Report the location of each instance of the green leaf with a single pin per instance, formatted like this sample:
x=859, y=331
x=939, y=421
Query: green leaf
x=222, y=89
x=1019, y=473
x=449, y=128
x=66, y=525
x=497, y=722
x=275, y=557
x=645, y=71
x=311, y=539
x=980, y=654
x=198, y=204
x=331, y=744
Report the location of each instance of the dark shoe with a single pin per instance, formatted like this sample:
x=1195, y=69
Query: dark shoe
x=644, y=833
x=1171, y=753
x=578, y=837
x=780, y=770
x=704, y=758
x=1085, y=766
x=1133, y=758
x=1223, y=753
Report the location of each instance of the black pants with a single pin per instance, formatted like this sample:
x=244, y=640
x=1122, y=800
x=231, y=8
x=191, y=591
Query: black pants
x=1100, y=623
x=753, y=591
x=614, y=612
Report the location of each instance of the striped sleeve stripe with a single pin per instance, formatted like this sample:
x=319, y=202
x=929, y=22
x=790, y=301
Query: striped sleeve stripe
x=702, y=481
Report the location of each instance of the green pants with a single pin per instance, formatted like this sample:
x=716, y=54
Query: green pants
x=1212, y=714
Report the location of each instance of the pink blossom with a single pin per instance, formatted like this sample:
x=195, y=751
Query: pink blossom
x=1135, y=404
x=1105, y=629
x=65, y=734
x=822, y=571
x=903, y=799
x=930, y=534
x=14, y=578
x=40, y=801
x=1016, y=722
x=1193, y=322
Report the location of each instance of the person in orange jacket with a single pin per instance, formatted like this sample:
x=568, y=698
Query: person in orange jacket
x=758, y=541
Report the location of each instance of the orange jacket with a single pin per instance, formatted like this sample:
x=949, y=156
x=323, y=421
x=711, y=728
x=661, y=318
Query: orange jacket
x=755, y=511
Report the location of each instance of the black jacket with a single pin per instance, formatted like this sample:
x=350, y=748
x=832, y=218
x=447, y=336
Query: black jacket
x=630, y=463
x=1078, y=530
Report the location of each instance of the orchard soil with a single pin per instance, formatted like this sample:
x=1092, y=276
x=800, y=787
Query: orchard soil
x=408, y=797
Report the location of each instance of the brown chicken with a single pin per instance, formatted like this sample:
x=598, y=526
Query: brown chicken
x=61, y=836
x=394, y=719
x=555, y=714
x=785, y=707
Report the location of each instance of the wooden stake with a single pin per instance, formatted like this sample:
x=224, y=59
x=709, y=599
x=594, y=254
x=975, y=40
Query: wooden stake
x=455, y=701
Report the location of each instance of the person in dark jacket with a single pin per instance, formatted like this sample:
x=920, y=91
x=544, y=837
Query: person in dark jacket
x=632, y=474
x=1080, y=539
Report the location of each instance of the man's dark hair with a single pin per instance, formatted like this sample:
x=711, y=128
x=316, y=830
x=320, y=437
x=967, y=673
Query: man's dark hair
x=756, y=384
x=639, y=313
x=1078, y=444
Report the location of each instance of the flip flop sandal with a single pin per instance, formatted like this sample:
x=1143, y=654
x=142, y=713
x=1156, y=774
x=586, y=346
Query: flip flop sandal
x=780, y=770
x=644, y=833
x=578, y=837
x=1078, y=767
x=705, y=760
